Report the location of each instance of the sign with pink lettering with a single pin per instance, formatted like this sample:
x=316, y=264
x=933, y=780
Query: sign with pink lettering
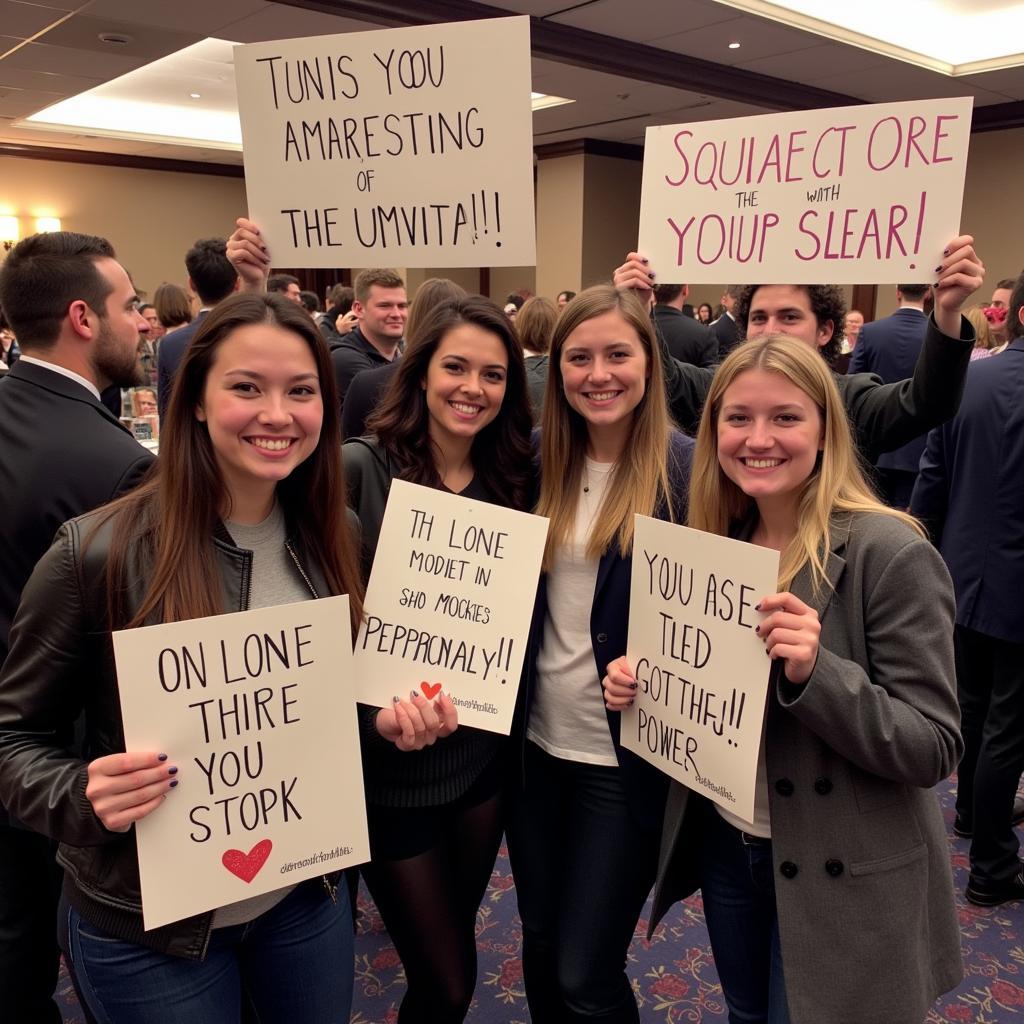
x=843, y=196
x=257, y=711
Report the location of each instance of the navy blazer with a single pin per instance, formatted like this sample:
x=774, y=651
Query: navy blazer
x=646, y=786
x=970, y=492
x=890, y=349
x=168, y=358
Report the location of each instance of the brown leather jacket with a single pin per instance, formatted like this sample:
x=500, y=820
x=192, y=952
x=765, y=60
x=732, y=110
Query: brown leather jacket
x=61, y=664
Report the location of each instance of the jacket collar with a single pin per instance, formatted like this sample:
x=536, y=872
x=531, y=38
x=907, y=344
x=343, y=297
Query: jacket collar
x=58, y=384
x=835, y=565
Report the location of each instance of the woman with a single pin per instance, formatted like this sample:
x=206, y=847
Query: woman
x=985, y=343
x=173, y=307
x=245, y=509
x=534, y=326
x=704, y=313
x=456, y=417
x=835, y=903
x=588, y=816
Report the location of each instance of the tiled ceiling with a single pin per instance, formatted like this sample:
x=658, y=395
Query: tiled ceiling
x=51, y=49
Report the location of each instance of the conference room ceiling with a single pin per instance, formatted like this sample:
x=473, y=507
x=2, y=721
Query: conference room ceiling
x=625, y=65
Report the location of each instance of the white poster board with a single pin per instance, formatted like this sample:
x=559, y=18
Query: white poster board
x=838, y=196
x=406, y=147
x=256, y=710
x=449, y=603
x=701, y=669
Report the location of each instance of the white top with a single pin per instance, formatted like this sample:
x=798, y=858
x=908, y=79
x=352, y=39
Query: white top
x=762, y=824
x=65, y=372
x=567, y=718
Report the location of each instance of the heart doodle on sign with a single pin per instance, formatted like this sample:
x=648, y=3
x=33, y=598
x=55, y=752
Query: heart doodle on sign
x=247, y=865
x=430, y=690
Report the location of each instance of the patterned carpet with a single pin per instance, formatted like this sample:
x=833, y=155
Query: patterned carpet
x=673, y=975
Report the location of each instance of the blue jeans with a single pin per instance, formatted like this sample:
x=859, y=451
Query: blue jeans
x=295, y=965
x=738, y=885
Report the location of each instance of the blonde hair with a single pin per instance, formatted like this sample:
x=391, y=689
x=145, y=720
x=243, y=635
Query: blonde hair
x=982, y=328
x=639, y=481
x=836, y=485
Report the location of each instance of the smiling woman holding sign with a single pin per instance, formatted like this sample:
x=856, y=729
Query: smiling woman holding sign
x=583, y=836
x=245, y=510
x=456, y=417
x=835, y=903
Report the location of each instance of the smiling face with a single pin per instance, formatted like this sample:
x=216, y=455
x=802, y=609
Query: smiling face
x=263, y=410
x=604, y=372
x=769, y=435
x=786, y=309
x=465, y=383
x=382, y=317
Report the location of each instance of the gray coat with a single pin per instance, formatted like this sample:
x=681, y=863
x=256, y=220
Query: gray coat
x=864, y=889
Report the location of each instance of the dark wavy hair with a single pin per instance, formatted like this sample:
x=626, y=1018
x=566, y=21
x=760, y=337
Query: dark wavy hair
x=827, y=304
x=179, y=508
x=1014, y=328
x=501, y=450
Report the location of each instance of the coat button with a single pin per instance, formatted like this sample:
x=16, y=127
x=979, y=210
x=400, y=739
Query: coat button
x=784, y=787
x=602, y=638
x=834, y=868
x=823, y=786
x=788, y=869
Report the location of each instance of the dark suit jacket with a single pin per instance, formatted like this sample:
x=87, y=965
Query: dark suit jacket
x=688, y=341
x=351, y=356
x=172, y=348
x=890, y=349
x=883, y=416
x=727, y=334
x=970, y=492
x=364, y=393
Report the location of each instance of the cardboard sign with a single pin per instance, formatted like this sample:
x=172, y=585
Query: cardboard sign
x=701, y=668
x=256, y=710
x=449, y=603
x=837, y=196
x=409, y=147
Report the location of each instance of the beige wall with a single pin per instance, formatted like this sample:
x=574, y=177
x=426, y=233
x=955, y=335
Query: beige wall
x=560, y=205
x=611, y=215
x=151, y=217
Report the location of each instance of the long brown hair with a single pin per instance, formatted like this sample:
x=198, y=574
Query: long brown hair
x=639, y=481
x=501, y=450
x=173, y=515
x=837, y=483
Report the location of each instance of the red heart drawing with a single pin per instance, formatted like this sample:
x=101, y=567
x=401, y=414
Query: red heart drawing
x=430, y=690
x=247, y=865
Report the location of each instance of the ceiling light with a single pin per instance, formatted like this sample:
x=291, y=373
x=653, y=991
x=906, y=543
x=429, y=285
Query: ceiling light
x=734, y=46
x=541, y=101
x=44, y=224
x=195, y=96
x=10, y=231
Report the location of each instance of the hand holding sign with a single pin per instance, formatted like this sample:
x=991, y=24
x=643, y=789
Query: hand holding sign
x=790, y=631
x=124, y=788
x=249, y=256
x=418, y=722
x=619, y=686
x=636, y=273
x=961, y=274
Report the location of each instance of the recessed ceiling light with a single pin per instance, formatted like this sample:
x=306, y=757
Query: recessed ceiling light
x=734, y=46
x=195, y=96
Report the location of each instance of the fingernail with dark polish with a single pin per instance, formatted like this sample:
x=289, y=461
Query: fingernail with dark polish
x=632, y=686
x=757, y=607
x=945, y=252
x=630, y=704
x=161, y=757
x=174, y=782
x=173, y=770
x=396, y=700
x=645, y=262
x=413, y=695
x=938, y=270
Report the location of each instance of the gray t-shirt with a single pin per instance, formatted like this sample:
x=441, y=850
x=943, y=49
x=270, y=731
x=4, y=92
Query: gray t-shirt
x=274, y=580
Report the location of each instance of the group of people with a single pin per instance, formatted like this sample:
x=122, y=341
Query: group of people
x=254, y=501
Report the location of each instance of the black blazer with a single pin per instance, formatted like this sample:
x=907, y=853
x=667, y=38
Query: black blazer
x=61, y=454
x=168, y=358
x=646, y=786
x=687, y=340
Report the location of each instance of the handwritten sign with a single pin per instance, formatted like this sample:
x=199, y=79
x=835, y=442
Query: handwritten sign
x=409, y=146
x=256, y=710
x=701, y=668
x=838, y=196
x=449, y=603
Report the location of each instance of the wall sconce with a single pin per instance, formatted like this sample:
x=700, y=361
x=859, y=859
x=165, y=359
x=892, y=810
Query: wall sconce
x=47, y=224
x=10, y=231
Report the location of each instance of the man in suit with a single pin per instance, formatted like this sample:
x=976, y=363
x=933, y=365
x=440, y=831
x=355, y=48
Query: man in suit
x=890, y=349
x=687, y=340
x=62, y=453
x=970, y=492
x=725, y=329
x=212, y=278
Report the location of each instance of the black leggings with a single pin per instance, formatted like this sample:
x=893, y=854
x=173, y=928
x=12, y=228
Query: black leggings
x=429, y=902
x=583, y=868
